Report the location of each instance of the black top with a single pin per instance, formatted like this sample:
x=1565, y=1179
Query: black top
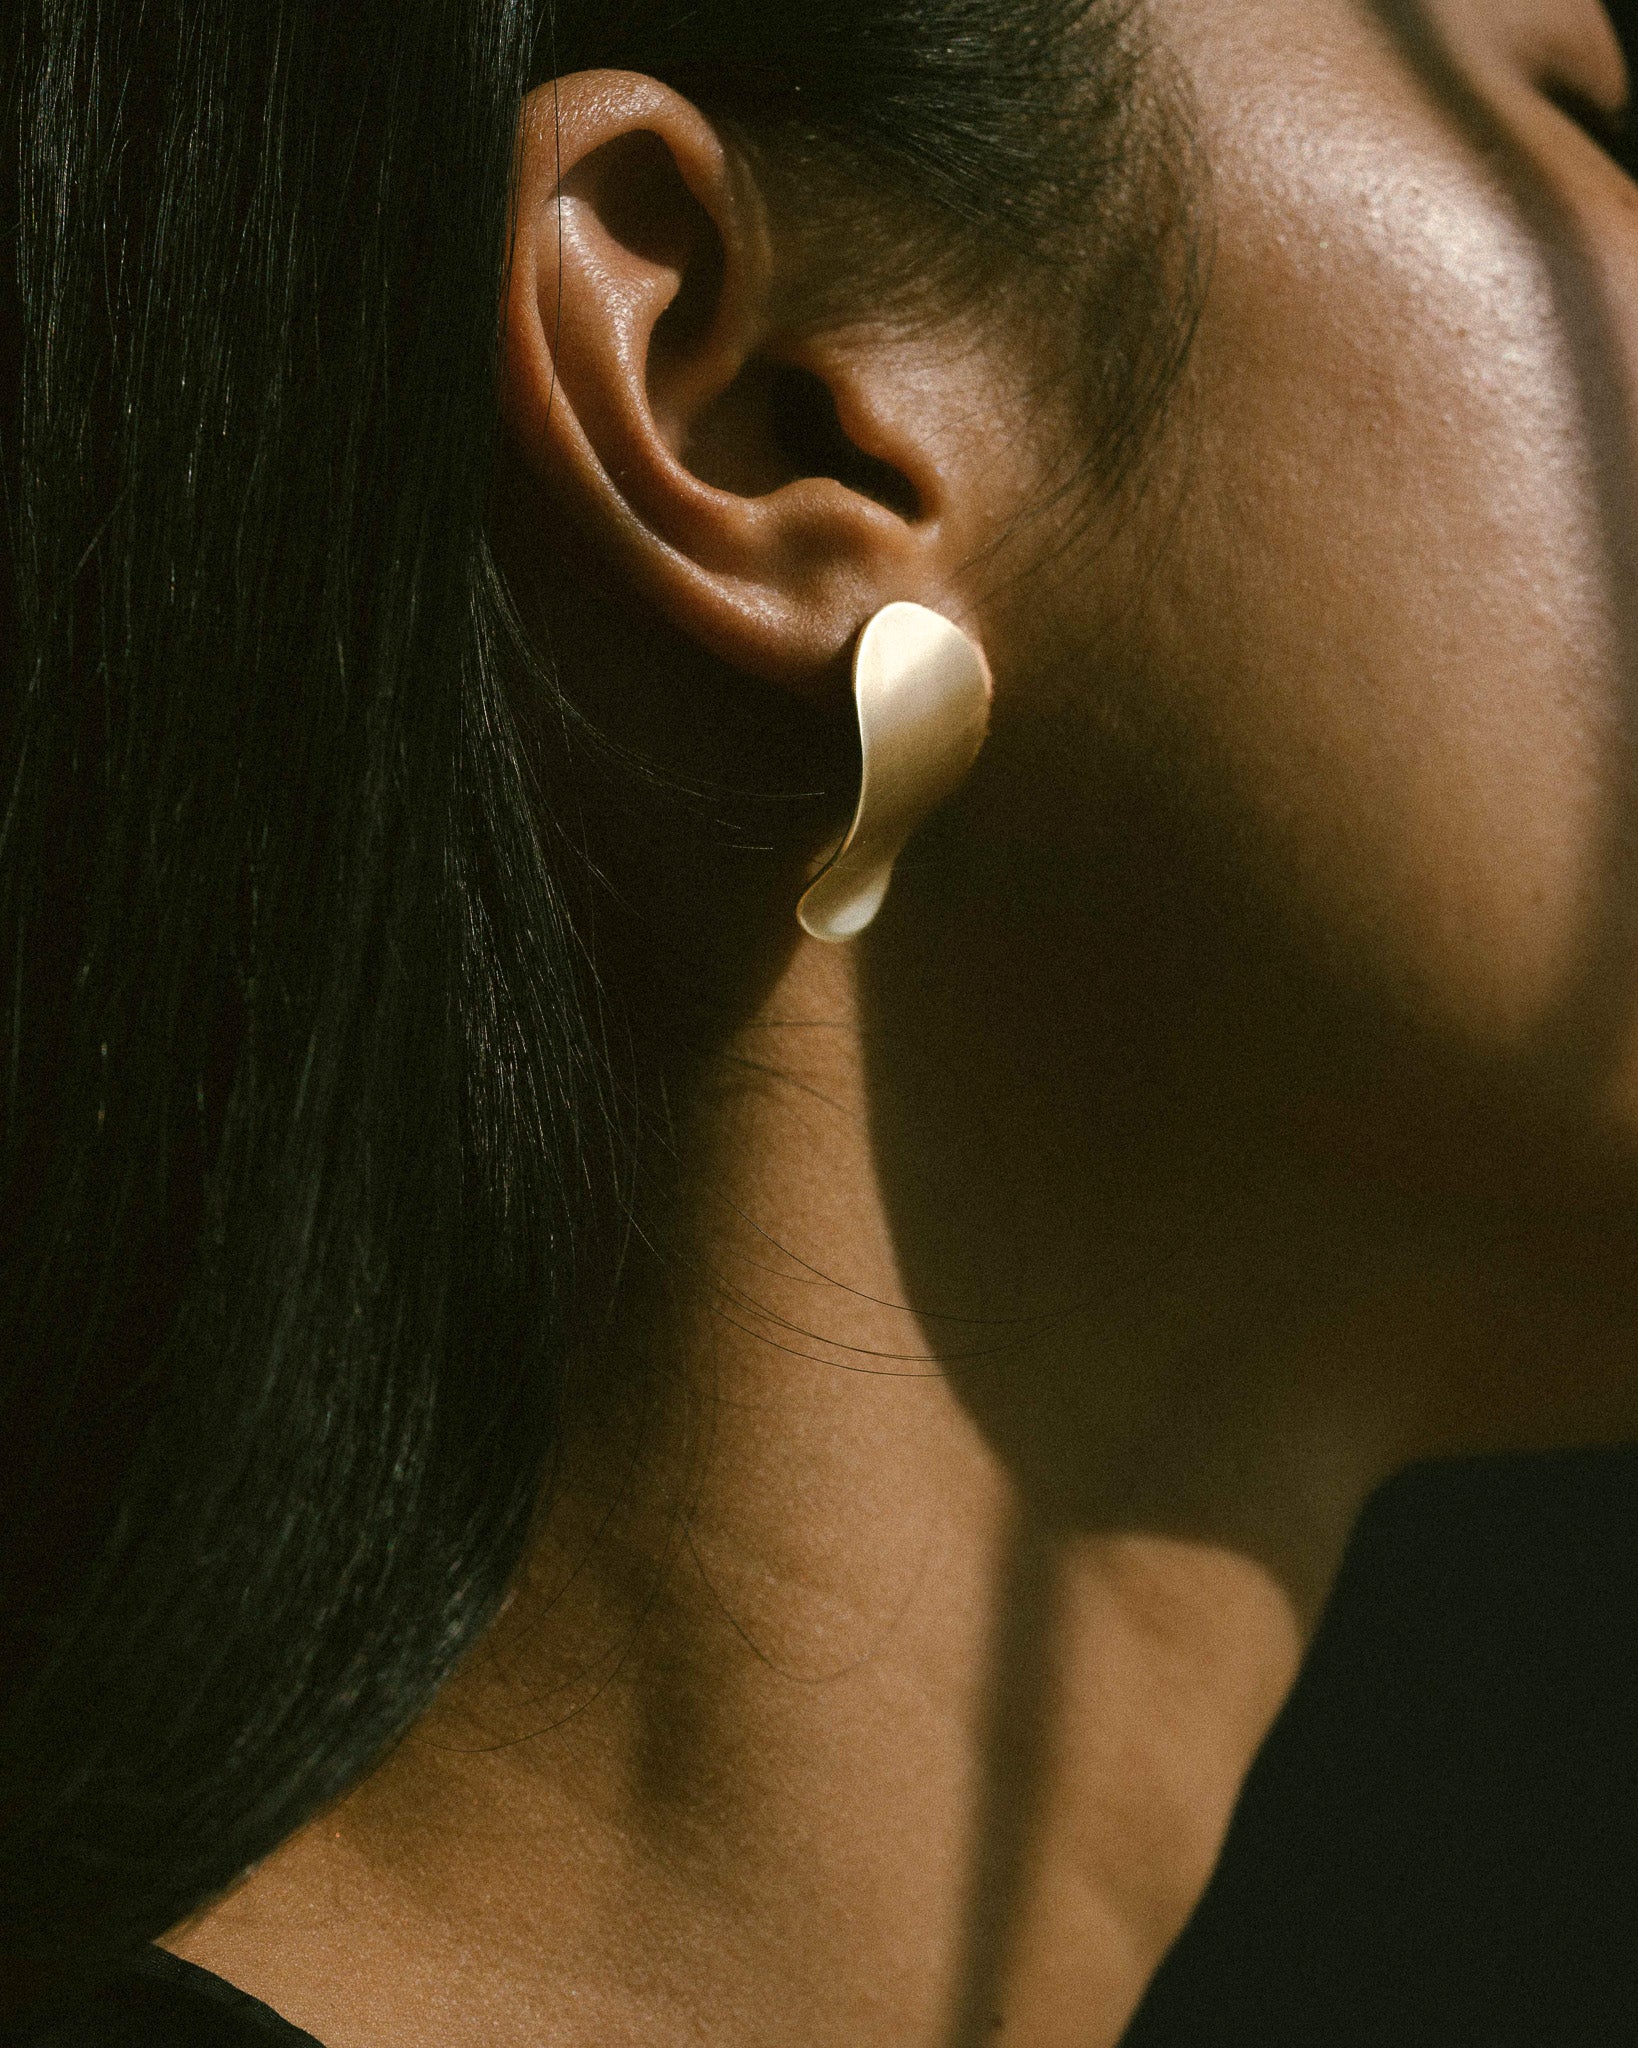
x=159, y=2001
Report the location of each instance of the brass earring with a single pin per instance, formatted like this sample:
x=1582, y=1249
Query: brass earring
x=922, y=690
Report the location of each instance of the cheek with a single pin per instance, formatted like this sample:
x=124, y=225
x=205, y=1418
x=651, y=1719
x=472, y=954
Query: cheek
x=1379, y=632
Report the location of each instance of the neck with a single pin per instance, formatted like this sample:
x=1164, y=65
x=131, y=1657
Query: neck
x=833, y=1702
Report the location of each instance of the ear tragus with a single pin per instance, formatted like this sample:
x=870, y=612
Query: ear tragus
x=815, y=443
x=778, y=423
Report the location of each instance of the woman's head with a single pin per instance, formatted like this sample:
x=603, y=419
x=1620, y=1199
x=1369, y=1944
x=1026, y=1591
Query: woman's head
x=1270, y=974
x=314, y=1109
x=449, y=454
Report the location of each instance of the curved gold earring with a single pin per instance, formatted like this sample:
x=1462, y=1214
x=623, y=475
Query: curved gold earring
x=923, y=690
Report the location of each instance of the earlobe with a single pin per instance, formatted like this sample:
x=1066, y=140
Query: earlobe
x=650, y=393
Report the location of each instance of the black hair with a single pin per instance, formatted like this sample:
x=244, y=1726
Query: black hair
x=311, y=1135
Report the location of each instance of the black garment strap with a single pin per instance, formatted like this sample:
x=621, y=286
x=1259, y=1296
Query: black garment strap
x=159, y=2001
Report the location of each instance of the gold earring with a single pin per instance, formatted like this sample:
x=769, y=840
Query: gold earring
x=923, y=690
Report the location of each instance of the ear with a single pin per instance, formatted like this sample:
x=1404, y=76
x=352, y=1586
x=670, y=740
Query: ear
x=766, y=490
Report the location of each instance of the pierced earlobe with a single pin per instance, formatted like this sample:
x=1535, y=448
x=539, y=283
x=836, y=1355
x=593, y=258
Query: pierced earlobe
x=922, y=689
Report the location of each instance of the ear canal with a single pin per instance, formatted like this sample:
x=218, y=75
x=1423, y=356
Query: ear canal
x=923, y=691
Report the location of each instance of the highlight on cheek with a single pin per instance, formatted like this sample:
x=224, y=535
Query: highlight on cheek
x=1416, y=677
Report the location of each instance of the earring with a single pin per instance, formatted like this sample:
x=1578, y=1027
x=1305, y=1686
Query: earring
x=923, y=690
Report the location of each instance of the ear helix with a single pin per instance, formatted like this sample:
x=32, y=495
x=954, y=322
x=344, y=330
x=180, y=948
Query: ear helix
x=923, y=691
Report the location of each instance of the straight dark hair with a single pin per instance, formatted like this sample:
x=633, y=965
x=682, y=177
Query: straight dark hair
x=310, y=1133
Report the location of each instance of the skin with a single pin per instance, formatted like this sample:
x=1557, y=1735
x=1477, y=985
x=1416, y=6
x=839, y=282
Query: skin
x=1236, y=1099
